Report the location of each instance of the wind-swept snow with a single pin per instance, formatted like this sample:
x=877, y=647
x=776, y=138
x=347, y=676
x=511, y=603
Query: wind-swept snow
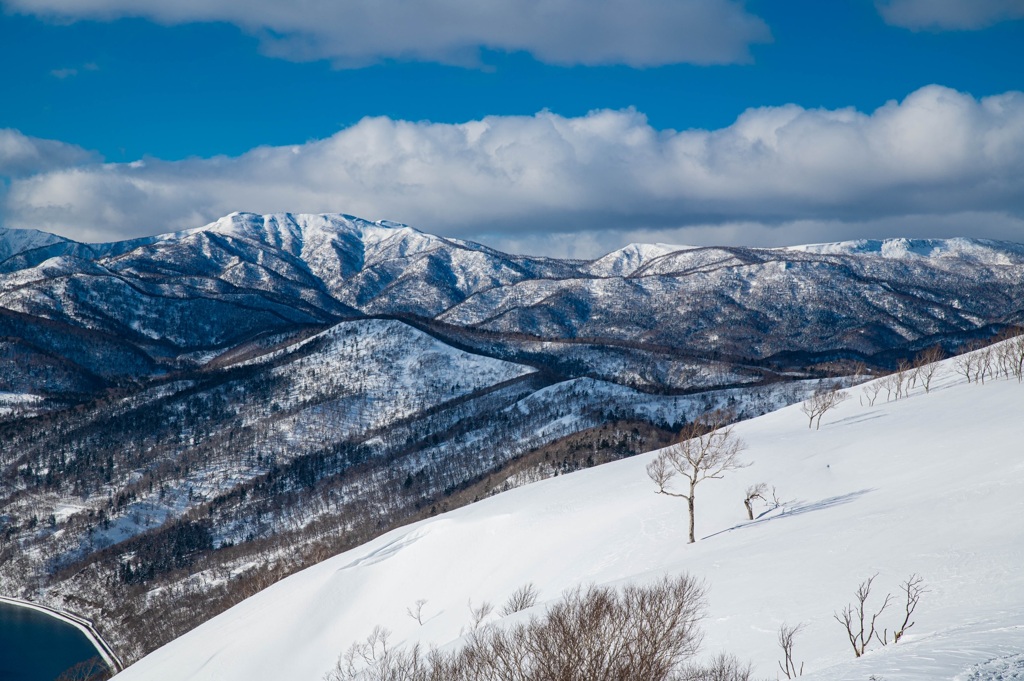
x=929, y=484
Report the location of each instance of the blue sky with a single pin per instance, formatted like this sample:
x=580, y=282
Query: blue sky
x=230, y=93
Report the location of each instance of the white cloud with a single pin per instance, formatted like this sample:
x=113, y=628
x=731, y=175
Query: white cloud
x=358, y=32
x=72, y=71
x=949, y=14
x=21, y=155
x=777, y=175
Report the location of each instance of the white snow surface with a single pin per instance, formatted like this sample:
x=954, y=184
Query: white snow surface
x=983, y=250
x=628, y=259
x=15, y=241
x=929, y=484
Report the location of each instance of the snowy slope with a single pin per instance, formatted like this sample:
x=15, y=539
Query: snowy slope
x=980, y=250
x=15, y=241
x=928, y=484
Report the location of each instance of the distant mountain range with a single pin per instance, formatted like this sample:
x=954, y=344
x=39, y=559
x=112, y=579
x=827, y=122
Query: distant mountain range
x=188, y=417
x=657, y=317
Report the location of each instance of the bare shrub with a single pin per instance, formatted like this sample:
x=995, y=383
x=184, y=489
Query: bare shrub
x=861, y=628
x=523, y=598
x=787, y=637
x=776, y=502
x=723, y=667
x=478, y=613
x=369, y=654
x=415, y=611
x=912, y=589
x=709, y=449
x=639, y=633
x=93, y=669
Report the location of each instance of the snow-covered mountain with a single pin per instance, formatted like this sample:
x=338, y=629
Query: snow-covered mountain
x=253, y=395
x=927, y=484
x=15, y=241
x=165, y=303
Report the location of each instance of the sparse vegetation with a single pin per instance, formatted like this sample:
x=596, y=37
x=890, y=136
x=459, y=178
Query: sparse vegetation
x=824, y=399
x=861, y=623
x=638, y=633
x=523, y=598
x=92, y=669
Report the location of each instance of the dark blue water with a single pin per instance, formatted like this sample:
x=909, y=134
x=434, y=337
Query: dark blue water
x=37, y=647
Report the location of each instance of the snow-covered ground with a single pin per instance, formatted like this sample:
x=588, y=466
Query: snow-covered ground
x=11, y=403
x=930, y=484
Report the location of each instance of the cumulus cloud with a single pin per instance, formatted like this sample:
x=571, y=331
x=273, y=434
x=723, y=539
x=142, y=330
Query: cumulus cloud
x=785, y=171
x=21, y=155
x=359, y=32
x=950, y=15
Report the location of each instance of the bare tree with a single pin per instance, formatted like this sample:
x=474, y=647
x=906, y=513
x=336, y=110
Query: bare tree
x=906, y=377
x=871, y=390
x=787, y=635
x=927, y=363
x=479, y=613
x=521, y=599
x=912, y=590
x=823, y=399
x=890, y=382
x=708, y=450
x=757, y=491
x=984, y=359
x=416, y=610
x=776, y=502
x=965, y=364
x=362, y=653
x=859, y=628
x=93, y=669
x=1015, y=345
x=1018, y=356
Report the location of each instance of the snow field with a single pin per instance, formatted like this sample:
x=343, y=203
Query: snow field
x=929, y=484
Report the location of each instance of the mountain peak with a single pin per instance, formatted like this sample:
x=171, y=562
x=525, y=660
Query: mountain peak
x=631, y=257
x=15, y=241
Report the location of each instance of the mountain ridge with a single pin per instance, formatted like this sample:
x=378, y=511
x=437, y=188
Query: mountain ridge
x=246, y=274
